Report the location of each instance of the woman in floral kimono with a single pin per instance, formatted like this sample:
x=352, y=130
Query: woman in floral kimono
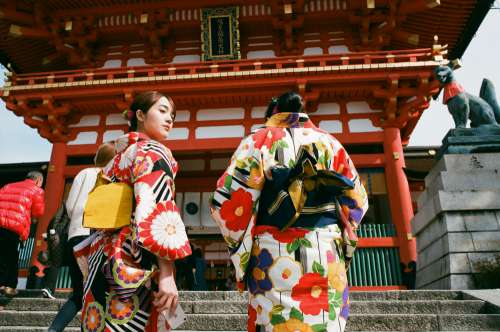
x=129, y=272
x=288, y=206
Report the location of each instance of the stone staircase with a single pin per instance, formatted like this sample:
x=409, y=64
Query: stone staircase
x=226, y=311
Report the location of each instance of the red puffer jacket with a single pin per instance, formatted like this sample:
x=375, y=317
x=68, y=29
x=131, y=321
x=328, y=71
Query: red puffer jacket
x=18, y=202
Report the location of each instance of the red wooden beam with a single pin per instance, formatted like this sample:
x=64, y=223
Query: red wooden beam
x=21, y=31
x=111, y=9
x=409, y=7
x=368, y=160
x=81, y=150
x=15, y=16
x=378, y=242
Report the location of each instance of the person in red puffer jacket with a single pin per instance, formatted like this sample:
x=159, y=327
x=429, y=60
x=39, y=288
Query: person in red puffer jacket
x=19, y=202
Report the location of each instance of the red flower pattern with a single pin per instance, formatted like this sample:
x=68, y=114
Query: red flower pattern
x=237, y=210
x=160, y=232
x=288, y=236
x=341, y=164
x=312, y=293
x=267, y=137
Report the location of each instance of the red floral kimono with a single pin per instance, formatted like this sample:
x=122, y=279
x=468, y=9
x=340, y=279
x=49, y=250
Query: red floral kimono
x=120, y=267
x=296, y=278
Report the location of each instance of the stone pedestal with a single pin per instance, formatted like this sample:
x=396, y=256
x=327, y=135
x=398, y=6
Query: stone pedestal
x=458, y=220
x=484, y=139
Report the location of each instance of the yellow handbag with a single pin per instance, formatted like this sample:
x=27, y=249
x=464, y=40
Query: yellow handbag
x=109, y=205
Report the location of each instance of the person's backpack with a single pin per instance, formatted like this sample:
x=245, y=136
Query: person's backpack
x=57, y=238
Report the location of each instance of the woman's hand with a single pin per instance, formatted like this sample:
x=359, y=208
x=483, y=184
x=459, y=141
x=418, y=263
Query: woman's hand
x=167, y=297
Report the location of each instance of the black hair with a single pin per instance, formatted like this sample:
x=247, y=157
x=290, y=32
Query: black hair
x=290, y=102
x=143, y=102
x=270, y=108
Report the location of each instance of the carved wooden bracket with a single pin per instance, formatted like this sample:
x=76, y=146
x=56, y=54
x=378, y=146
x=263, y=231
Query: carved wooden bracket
x=155, y=29
x=402, y=103
x=49, y=119
x=288, y=19
x=310, y=96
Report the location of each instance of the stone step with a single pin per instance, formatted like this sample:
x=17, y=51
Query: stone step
x=412, y=322
x=77, y=329
x=400, y=295
x=221, y=307
x=406, y=295
x=418, y=307
x=357, y=322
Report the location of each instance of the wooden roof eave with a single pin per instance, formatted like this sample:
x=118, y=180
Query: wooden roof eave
x=476, y=18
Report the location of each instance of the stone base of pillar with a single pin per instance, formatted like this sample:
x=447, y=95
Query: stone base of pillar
x=458, y=220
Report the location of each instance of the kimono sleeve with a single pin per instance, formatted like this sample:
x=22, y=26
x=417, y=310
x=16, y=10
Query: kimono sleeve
x=234, y=204
x=157, y=225
x=354, y=202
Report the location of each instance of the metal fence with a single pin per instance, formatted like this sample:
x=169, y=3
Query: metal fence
x=25, y=253
x=63, y=278
x=376, y=230
x=375, y=267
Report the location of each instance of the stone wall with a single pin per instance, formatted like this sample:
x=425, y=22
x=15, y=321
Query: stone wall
x=458, y=220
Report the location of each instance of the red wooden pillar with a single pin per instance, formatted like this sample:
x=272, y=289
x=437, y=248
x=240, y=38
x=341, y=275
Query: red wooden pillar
x=399, y=196
x=54, y=189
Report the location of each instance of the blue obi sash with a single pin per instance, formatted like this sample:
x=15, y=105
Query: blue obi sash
x=301, y=196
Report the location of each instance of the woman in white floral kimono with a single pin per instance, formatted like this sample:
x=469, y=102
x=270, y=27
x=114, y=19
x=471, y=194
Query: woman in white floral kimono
x=129, y=272
x=288, y=206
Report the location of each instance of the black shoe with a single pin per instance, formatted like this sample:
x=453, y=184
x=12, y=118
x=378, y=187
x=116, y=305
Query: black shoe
x=48, y=294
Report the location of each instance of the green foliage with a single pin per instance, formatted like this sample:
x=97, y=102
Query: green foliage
x=319, y=327
x=318, y=268
x=306, y=243
x=277, y=319
x=487, y=274
x=294, y=313
x=291, y=247
x=227, y=182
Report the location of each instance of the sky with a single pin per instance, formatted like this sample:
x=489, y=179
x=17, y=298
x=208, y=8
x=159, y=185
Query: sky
x=20, y=143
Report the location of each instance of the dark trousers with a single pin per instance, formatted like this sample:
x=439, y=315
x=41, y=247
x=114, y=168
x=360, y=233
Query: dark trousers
x=74, y=304
x=9, y=258
x=50, y=278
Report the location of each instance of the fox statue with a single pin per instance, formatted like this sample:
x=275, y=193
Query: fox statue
x=482, y=110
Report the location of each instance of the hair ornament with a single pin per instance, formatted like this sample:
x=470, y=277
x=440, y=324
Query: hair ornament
x=128, y=114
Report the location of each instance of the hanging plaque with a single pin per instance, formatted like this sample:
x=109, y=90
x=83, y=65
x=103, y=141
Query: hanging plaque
x=220, y=35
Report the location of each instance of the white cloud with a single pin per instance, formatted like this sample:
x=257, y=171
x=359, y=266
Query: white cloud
x=18, y=142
